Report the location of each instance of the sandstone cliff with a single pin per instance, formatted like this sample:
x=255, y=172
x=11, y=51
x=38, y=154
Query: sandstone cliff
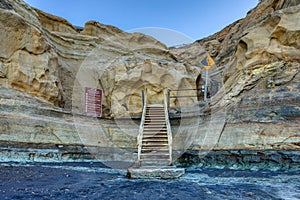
x=258, y=62
x=45, y=62
x=44, y=55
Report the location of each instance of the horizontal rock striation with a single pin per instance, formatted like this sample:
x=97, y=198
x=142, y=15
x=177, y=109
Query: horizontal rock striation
x=266, y=160
x=257, y=58
x=45, y=63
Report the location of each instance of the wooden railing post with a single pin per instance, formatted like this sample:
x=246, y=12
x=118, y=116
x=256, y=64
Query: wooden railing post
x=140, y=135
x=143, y=97
x=169, y=130
x=168, y=93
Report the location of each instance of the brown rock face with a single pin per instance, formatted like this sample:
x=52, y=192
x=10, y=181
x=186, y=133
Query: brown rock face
x=258, y=60
x=27, y=60
x=267, y=15
x=53, y=23
x=275, y=39
x=44, y=55
x=123, y=77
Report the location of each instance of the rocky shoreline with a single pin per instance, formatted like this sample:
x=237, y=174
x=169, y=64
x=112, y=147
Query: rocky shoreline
x=258, y=160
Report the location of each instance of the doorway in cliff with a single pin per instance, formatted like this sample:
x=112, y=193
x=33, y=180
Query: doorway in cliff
x=200, y=85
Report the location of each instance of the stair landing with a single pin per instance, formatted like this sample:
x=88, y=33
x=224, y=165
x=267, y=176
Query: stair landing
x=154, y=172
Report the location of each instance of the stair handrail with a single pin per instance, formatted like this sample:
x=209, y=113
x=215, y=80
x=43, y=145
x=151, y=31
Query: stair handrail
x=140, y=135
x=169, y=130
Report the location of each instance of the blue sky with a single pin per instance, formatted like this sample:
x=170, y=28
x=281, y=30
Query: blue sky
x=169, y=20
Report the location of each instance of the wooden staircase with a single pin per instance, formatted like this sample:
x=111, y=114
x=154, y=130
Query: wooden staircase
x=155, y=137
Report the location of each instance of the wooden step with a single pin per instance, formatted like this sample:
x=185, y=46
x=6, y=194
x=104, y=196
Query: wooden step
x=158, y=149
x=155, y=136
x=155, y=164
x=155, y=143
x=155, y=160
x=155, y=132
x=155, y=106
x=151, y=157
x=155, y=129
x=164, y=124
x=155, y=154
x=154, y=124
x=149, y=149
x=155, y=120
x=156, y=146
x=154, y=140
x=161, y=155
x=155, y=150
x=160, y=137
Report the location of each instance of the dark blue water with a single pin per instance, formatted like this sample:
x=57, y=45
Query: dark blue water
x=94, y=181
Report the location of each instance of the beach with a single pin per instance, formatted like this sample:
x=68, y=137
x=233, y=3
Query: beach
x=86, y=180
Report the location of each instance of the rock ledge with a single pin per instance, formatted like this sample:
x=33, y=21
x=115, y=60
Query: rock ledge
x=155, y=173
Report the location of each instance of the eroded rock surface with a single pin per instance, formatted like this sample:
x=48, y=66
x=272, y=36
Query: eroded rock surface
x=44, y=55
x=45, y=63
x=257, y=58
